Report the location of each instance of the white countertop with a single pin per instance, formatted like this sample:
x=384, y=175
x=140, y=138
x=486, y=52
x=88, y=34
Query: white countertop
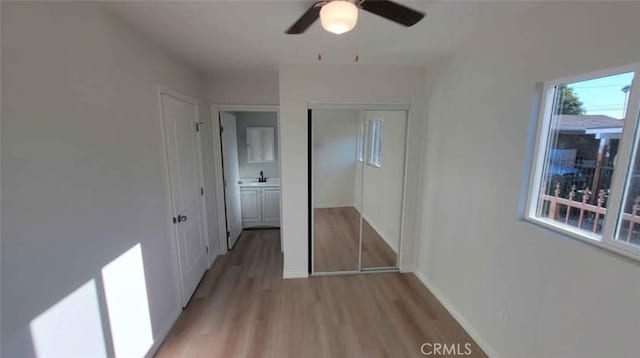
x=253, y=182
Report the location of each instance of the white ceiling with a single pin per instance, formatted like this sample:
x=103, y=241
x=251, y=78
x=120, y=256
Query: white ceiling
x=222, y=36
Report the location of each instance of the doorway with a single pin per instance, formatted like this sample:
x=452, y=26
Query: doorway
x=249, y=175
x=181, y=132
x=357, y=165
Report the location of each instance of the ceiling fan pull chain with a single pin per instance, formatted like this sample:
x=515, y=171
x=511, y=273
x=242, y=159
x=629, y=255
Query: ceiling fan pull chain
x=356, y=57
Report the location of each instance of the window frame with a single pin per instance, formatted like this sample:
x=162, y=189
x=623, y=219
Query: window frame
x=375, y=142
x=629, y=141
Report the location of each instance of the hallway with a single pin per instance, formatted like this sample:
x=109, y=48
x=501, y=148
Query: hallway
x=243, y=308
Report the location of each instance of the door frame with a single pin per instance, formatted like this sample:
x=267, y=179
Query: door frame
x=311, y=106
x=171, y=207
x=214, y=110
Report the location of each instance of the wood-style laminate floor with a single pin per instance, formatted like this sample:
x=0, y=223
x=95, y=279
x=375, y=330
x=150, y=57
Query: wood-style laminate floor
x=336, y=239
x=243, y=308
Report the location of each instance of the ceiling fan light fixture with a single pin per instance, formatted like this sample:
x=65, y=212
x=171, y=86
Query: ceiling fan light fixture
x=339, y=16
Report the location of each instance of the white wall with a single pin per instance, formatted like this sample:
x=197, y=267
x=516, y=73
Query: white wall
x=335, y=134
x=243, y=88
x=302, y=84
x=83, y=179
x=523, y=290
x=256, y=119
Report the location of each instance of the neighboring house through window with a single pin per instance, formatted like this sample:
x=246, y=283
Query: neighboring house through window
x=585, y=178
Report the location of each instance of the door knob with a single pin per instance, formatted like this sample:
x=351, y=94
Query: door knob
x=182, y=218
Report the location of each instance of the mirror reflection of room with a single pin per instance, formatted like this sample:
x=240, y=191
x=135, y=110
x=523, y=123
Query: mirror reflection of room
x=358, y=177
x=336, y=221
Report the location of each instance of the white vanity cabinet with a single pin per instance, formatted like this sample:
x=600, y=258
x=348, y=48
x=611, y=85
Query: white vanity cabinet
x=250, y=204
x=260, y=206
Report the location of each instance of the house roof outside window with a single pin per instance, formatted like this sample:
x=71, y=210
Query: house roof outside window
x=589, y=124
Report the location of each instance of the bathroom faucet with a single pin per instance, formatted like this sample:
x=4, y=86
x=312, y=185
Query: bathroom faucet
x=262, y=178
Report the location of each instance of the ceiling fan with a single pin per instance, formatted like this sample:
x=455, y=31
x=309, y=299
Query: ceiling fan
x=340, y=16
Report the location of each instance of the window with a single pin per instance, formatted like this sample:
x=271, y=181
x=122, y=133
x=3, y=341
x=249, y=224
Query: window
x=375, y=150
x=586, y=165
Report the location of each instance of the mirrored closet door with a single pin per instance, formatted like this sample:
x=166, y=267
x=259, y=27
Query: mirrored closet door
x=357, y=176
x=336, y=169
x=382, y=188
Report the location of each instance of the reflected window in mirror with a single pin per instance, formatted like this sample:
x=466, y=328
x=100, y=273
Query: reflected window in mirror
x=375, y=138
x=361, y=134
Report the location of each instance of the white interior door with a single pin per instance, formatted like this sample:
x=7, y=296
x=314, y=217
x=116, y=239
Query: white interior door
x=231, y=177
x=180, y=121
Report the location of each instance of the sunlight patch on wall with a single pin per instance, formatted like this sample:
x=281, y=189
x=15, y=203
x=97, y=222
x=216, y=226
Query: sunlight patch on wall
x=127, y=303
x=70, y=328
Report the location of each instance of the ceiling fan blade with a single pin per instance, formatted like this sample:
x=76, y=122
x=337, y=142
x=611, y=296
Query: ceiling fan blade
x=393, y=11
x=307, y=19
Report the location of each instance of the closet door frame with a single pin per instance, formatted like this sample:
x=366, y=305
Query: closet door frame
x=361, y=107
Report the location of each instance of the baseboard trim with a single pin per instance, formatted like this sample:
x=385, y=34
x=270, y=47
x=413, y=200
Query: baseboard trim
x=475, y=335
x=407, y=269
x=214, y=259
x=287, y=274
x=162, y=334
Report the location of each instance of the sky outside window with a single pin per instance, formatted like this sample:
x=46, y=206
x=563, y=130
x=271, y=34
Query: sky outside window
x=604, y=95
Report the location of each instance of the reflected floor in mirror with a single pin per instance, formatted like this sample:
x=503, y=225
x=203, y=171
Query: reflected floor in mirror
x=336, y=240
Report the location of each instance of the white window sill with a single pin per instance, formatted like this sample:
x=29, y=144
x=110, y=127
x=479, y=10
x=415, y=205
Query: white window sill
x=618, y=247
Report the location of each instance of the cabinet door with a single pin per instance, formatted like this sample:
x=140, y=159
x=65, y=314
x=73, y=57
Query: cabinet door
x=271, y=206
x=251, y=206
